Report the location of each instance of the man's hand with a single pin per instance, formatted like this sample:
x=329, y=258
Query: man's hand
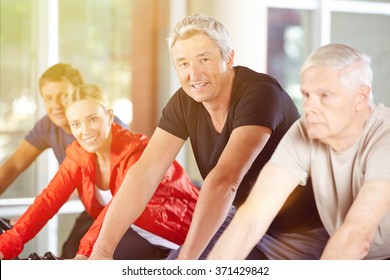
x=80, y=257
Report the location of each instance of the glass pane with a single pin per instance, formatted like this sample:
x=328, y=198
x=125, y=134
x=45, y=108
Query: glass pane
x=382, y=1
x=17, y=82
x=371, y=34
x=94, y=36
x=288, y=45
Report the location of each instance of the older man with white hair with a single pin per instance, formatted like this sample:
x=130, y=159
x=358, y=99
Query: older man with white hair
x=343, y=143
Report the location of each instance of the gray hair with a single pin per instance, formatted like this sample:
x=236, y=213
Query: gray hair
x=354, y=64
x=195, y=24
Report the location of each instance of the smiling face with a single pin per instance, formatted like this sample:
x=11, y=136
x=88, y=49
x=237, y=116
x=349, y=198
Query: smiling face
x=90, y=124
x=331, y=109
x=203, y=73
x=53, y=94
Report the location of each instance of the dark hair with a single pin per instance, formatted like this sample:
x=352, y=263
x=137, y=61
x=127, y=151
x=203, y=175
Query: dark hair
x=59, y=72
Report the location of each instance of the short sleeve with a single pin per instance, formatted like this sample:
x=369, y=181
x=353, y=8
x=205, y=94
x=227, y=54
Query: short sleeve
x=39, y=135
x=261, y=105
x=293, y=152
x=378, y=155
x=173, y=117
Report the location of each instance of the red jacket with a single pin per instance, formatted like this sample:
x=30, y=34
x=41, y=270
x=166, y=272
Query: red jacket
x=168, y=214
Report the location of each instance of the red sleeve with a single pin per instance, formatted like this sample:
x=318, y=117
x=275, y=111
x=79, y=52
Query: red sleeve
x=45, y=206
x=89, y=239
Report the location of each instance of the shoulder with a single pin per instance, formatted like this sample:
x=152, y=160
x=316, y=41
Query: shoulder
x=125, y=142
x=43, y=124
x=378, y=122
x=258, y=85
x=75, y=151
x=376, y=134
x=245, y=74
x=381, y=114
x=39, y=135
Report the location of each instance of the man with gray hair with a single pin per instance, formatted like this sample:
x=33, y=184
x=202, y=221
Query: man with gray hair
x=234, y=118
x=343, y=143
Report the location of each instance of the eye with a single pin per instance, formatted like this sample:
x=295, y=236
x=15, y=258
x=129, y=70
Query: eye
x=93, y=119
x=205, y=60
x=63, y=97
x=47, y=98
x=305, y=95
x=325, y=96
x=183, y=65
x=75, y=125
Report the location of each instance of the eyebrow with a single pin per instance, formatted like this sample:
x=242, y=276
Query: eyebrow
x=86, y=117
x=199, y=55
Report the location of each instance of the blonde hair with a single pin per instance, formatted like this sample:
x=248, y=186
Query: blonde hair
x=87, y=92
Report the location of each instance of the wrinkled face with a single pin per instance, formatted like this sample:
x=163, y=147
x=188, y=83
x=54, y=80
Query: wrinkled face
x=329, y=106
x=53, y=94
x=200, y=67
x=90, y=124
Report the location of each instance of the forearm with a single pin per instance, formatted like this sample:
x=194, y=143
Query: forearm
x=352, y=240
x=7, y=176
x=127, y=205
x=240, y=236
x=254, y=217
x=22, y=158
x=348, y=243
x=211, y=210
x=117, y=220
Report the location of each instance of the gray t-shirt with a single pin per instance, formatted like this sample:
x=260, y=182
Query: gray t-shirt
x=338, y=177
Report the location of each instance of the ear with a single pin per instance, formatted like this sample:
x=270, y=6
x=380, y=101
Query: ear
x=229, y=62
x=364, y=95
x=110, y=113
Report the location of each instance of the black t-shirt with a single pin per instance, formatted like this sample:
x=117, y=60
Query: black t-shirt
x=257, y=99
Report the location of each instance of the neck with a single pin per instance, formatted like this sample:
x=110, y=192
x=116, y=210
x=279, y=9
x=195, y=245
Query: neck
x=104, y=153
x=66, y=128
x=352, y=133
x=219, y=108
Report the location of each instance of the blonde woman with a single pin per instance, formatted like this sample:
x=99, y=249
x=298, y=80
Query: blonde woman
x=95, y=165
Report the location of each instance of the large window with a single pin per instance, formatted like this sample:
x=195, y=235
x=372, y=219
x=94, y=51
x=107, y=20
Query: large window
x=370, y=33
x=295, y=28
x=18, y=105
x=289, y=42
x=94, y=36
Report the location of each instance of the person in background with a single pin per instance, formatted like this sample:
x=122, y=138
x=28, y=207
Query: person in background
x=95, y=165
x=343, y=143
x=51, y=131
x=234, y=118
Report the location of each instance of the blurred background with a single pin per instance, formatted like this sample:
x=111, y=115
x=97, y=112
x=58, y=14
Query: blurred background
x=121, y=46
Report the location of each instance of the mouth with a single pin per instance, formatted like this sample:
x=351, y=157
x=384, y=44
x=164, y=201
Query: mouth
x=89, y=140
x=199, y=85
x=59, y=115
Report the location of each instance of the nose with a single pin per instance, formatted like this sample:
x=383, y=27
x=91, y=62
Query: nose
x=310, y=104
x=84, y=127
x=57, y=101
x=195, y=73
